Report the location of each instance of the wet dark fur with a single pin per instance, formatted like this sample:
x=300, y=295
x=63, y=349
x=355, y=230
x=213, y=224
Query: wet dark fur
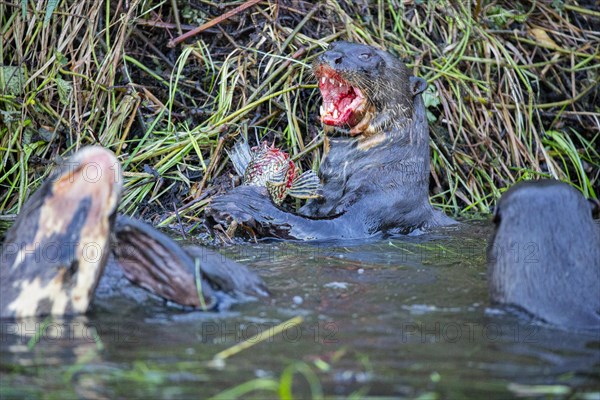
x=142, y=254
x=544, y=256
x=158, y=264
x=372, y=183
x=55, y=255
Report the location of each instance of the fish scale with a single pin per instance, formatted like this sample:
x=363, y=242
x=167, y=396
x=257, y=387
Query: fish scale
x=268, y=166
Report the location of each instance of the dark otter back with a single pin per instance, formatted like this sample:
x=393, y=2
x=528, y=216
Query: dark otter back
x=544, y=256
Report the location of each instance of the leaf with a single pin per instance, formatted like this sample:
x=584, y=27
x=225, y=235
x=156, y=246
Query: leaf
x=12, y=80
x=431, y=97
x=60, y=57
x=541, y=36
x=52, y=4
x=64, y=90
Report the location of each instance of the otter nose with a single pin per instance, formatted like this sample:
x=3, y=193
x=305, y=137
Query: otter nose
x=333, y=57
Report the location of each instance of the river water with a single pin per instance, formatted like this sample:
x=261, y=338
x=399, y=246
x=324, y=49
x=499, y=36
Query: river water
x=403, y=317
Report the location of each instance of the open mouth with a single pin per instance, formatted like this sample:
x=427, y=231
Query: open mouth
x=343, y=104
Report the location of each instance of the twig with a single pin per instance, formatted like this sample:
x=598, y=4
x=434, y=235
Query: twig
x=211, y=23
x=179, y=221
x=582, y=10
x=156, y=50
x=166, y=25
x=213, y=162
x=176, y=16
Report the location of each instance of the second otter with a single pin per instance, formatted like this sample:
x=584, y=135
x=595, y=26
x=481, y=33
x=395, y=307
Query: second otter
x=544, y=256
x=68, y=236
x=375, y=174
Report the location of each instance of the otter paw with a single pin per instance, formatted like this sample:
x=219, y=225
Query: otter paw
x=239, y=208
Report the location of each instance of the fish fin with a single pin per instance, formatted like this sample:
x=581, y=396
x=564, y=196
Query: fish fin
x=240, y=156
x=305, y=186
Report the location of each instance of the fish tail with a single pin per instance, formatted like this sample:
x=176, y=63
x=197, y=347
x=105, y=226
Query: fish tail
x=240, y=156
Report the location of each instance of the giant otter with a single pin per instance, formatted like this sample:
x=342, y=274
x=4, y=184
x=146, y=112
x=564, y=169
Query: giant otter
x=56, y=251
x=544, y=256
x=375, y=174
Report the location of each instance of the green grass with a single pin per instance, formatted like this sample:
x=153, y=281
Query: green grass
x=513, y=92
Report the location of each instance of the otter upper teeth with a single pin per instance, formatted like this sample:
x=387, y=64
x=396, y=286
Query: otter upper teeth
x=335, y=114
x=323, y=80
x=332, y=81
x=322, y=110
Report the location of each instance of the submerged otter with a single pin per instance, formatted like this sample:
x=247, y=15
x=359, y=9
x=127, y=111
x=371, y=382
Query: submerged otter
x=544, y=256
x=375, y=174
x=65, y=235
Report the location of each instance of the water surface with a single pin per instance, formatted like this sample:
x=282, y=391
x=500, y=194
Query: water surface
x=404, y=317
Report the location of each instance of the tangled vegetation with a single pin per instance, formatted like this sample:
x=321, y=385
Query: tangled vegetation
x=513, y=91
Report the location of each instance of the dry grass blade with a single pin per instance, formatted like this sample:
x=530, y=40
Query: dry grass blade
x=513, y=91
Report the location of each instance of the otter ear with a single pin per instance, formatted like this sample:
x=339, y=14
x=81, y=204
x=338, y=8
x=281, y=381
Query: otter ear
x=496, y=217
x=595, y=207
x=417, y=85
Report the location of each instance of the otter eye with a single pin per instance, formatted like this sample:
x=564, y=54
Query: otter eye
x=364, y=56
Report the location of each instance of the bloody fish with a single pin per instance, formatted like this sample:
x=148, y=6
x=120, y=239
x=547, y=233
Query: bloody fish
x=268, y=166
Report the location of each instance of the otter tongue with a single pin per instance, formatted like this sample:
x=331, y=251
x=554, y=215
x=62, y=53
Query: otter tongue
x=344, y=102
x=337, y=102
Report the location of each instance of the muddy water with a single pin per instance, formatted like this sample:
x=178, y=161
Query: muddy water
x=402, y=317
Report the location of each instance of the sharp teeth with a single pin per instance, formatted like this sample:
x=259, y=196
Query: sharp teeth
x=322, y=110
x=323, y=80
x=331, y=81
x=340, y=84
x=335, y=114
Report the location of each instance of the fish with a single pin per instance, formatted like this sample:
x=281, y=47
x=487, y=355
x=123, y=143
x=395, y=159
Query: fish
x=267, y=166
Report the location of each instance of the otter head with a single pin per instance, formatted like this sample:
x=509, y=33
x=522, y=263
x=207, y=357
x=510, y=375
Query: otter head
x=56, y=251
x=544, y=256
x=365, y=90
x=544, y=202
